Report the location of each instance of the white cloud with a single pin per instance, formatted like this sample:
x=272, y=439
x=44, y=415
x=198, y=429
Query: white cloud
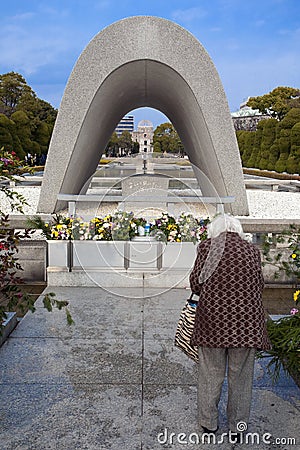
x=257, y=76
x=28, y=51
x=188, y=15
x=49, y=11
x=23, y=16
x=260, y=23
x=102, y=4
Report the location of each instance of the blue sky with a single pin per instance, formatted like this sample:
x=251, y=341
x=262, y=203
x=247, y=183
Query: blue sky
x=255, y=44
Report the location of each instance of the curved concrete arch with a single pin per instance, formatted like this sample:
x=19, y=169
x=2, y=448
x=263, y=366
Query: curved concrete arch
x=143, y=61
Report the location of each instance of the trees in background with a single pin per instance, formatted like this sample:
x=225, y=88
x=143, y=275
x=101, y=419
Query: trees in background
x=26, y=121
x=167, y=140
x=122, y=145
x=275, y=145
x=276, y=103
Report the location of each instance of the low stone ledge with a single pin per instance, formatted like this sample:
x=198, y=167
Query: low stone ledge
x=253, y=225
x=9, y=325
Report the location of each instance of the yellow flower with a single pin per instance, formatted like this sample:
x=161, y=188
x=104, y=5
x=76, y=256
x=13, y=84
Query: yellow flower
x=294, y=255
x=296, y=295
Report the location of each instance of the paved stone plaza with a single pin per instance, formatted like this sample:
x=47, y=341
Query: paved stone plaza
x=114, y=380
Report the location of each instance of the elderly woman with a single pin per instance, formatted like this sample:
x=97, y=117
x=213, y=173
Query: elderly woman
x=230, y=320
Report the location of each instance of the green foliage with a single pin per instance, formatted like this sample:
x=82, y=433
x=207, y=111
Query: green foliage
x=240, y=135
x=274, y=146
x=50, y=301
x=136, y=148
x=12, y=295
x=167, y=137
x=291, y=266
x=12, y=88
x=284, y=333
x=282, y=143
x=247, y=138
x=157, y=147
x=122, y=143
x=39, y=224
x=125, y=141
x=41, y=136
x=277, y=103
x=6, y=139
x=32, y=119
x=268, y=135
x=293, y=161
x=255, y=158
x=23, y=130
x=291, y=118
x=285, y=353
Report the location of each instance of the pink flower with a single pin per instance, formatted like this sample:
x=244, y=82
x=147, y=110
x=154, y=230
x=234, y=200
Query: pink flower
x=294, y=311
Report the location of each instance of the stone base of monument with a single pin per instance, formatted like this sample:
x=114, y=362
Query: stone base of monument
x=110, y=279
x=137, y=263
x=120, y=263
x=115, y=253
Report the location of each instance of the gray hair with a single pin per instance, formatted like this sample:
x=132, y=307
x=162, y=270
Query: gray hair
x=223, y=223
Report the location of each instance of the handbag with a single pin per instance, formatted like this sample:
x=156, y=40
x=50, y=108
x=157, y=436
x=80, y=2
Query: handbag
x=185, y=329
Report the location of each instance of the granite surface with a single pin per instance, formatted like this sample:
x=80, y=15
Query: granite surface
x=115, y=380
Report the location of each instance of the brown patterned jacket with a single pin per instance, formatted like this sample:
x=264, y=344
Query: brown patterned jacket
x=227, y=276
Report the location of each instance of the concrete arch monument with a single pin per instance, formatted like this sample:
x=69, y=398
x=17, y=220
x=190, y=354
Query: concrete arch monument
x=135, y=62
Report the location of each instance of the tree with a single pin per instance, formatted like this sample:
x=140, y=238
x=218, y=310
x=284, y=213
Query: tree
x=23, y=131
x=246, y=141
x=41, y=136
x=255, y=158
x=293, y=161
x=12, y=88
x=135, y=148
x=33, y=118
x=277, y=103
x=284, y=148
x=283, y=138
x=112, y=147
x=240, y=135
x=167, y=137
x=268, y=138
x=268, y=135
x=125, y=143
x=6, y=139
x=157, y=147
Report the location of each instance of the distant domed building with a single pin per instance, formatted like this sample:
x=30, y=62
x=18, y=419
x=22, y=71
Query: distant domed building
x=144, y=135
x=247, y=118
